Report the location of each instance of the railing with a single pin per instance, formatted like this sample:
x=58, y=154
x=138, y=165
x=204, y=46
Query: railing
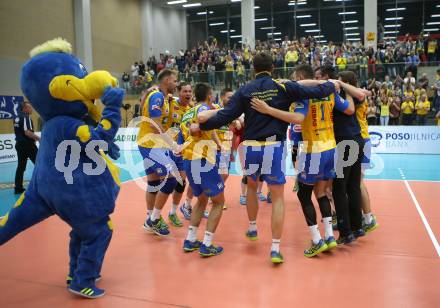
x=378, y=71
x=234, y=79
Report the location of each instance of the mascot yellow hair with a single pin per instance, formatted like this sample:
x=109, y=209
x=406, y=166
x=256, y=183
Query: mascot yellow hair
x=56, y=45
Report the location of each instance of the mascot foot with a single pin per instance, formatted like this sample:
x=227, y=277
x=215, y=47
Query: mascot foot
x=69, y=279
x=92, y=292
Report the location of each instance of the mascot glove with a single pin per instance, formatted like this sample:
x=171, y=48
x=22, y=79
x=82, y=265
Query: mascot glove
x=113, y=97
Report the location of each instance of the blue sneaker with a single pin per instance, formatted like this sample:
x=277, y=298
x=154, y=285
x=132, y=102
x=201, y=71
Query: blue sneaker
x=344, y=240
x=331, y=243
x=372, y=226
x=359, y=233
x=91, y=292
x=252, y=235
x=261, y=197
x=146, y=226
x=276, y=257
x=243, y=200
x=189, y=246
x=186, y=211
x=315, y=249
x=69, y=279
x=159, y=227
x=209, y=251
x=269, y=197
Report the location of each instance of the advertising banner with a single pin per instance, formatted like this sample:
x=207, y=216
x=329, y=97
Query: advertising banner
x=405, y=139
x=9, y=106
x=384, y=139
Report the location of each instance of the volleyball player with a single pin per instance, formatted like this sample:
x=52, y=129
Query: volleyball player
x=203, y=175
x=264, y=145
x=155, y=147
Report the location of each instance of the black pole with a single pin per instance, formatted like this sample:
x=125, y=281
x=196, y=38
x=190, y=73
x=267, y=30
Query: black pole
x=319, y=19
x=271, y=18
x=207, y=26
x=344, y=32
x=294, y=18
x=228, y=27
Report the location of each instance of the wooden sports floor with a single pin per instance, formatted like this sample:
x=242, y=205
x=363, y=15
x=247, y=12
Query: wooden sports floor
x=397, y=265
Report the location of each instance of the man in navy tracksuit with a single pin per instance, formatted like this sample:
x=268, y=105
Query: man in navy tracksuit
x=264, y=138
x=25, y=139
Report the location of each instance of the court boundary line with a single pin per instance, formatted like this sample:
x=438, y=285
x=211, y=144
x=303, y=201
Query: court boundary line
x=367, y=179
x=421, y=214
x=108, y=294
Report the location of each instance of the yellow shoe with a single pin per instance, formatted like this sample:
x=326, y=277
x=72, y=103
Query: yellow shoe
x=276, y=257
x=252, y=235
x=316, y=249
x=331, y=243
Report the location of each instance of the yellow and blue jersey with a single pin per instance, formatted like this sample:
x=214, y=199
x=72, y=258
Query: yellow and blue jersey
x=155, y=106
x=317, y=127
x=262, y=127
x=224, y=134
x=295, y=134
x=200, y=145
x=175, y=116
x=361, y=115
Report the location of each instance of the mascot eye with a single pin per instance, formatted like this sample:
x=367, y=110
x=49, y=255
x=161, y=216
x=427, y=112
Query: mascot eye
x=82, y=67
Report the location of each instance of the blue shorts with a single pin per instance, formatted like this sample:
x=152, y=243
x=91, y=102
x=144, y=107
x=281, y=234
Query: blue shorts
x=315, y=167
x=223, y=161
x=366, y=158
x=157, y=160
x=203, y=177
x=267, y=161
x=178, y=160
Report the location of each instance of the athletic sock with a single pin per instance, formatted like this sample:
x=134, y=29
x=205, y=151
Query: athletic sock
x=316, y=236
x=192, y=234
x=207, y=240
x=155, y=215
x=253, y=225
x=328, y=227
x=149, y=213
x=368, y=218
x=173, y=209
x=275, y=245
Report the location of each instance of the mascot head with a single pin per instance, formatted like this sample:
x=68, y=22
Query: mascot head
x=56, y=83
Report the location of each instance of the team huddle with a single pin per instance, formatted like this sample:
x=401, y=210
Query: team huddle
x=182, y=140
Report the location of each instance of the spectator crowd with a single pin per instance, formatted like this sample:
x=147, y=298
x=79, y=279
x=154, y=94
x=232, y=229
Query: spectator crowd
x=390, y=72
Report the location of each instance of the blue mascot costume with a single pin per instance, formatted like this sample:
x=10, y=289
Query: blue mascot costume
x=73, y=178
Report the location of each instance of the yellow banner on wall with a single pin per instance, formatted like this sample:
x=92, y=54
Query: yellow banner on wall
x=371, y=36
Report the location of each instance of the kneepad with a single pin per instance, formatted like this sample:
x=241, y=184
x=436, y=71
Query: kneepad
x=180, y=188
x=153, y=186
x=168, y=185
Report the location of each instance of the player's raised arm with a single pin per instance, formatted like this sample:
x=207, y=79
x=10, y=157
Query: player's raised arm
x=357, y=93
x=206, y=115
x=297, y=92
x=345, y=105
x=296, y=117
x=224, y=116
